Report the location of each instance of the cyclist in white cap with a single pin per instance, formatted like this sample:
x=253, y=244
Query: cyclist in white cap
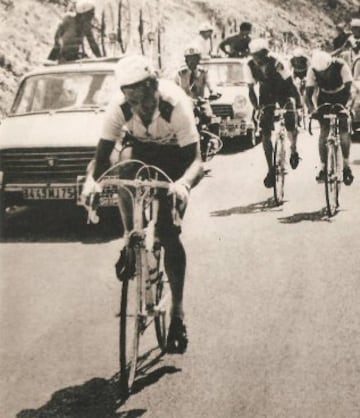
x=71, y=32
x=162, y=131
x=276, y=86
x=331, y=79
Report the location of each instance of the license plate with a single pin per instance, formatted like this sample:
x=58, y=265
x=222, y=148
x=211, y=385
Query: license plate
x=50, y=193
x=233, y=127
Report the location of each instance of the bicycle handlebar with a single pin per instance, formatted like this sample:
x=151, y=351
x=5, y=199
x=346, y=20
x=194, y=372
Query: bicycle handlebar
x=331, y=115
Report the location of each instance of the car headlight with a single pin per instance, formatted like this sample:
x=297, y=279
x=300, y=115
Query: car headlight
x=239, y=105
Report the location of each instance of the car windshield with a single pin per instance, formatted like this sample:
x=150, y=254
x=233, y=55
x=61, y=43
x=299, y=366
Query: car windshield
x=225, y=74
x=356, y=70
x=63, y=91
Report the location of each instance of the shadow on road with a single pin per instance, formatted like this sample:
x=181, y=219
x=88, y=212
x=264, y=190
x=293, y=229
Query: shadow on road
x=317, y=216
x=100, y=398
x=259, y=207
x=232, y=147
x=60, y=225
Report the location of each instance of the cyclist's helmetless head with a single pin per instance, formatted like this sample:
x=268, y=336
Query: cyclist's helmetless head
x=259, y=50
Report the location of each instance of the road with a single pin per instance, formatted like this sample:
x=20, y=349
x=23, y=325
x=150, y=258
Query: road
x=272, y=307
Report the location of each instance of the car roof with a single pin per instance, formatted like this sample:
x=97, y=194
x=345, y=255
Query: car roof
x=93, y=64
x=223, y=60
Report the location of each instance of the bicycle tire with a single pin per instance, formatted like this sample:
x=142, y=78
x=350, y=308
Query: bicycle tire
x=130, y=327
x=279, y=167
x=161, y=291
x=332, y=183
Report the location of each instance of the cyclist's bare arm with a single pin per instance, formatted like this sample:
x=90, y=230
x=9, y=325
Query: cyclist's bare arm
x=253, y=97
x=194, y=171
x=309, y=93
x=102, y=157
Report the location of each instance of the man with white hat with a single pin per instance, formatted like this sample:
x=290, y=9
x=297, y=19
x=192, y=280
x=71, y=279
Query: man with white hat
x=162, y=132
x=192, y=77
x=72, y=31
x=331, y=78
x=203, y=42
x=276, y=86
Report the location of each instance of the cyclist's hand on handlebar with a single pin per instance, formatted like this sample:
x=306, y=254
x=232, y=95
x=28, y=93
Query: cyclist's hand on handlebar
x=180, y=189
x=90, y=188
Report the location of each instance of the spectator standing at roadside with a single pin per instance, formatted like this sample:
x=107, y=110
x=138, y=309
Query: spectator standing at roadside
x=71, y=32
x=238, y=45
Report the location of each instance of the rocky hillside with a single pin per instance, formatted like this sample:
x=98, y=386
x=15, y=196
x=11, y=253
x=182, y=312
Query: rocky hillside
x=27, y=27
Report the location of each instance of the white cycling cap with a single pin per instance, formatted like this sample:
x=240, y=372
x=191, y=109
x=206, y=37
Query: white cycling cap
x=192, y=50
x=133, y=69
x=206, y=27
x=83, y=6
x=258, y=45
x=299, y=52
x=320, y=60
x=355, y=23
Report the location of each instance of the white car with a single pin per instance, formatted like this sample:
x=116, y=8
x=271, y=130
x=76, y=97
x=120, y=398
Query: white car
x=50, y=134
x=233, y=109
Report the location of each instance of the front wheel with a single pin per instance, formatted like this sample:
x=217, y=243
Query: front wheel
x=332, y=181
x=130, y=327
x=279, y=167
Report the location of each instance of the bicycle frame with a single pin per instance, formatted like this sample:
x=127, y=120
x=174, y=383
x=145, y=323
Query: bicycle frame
x=279, y=151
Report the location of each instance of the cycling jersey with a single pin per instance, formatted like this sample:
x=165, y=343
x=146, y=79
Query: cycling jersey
x=332, y=80
x=273, y=78
x=192, y=82
x=172, y=128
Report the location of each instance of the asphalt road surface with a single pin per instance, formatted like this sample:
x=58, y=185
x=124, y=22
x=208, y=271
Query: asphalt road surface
x=272, y=306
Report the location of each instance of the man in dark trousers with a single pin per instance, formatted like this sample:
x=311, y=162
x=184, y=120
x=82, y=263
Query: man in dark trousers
x=238, y=45
x=72, y=31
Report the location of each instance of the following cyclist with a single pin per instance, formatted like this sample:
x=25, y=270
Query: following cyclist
x=159, y=119
x=299, y=63
x=331, y=78
x=276, y=86
x=71, y=32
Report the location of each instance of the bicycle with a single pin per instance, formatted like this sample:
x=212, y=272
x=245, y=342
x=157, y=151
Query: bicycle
x=145, y=293
x=334, y=157
x=279, y=151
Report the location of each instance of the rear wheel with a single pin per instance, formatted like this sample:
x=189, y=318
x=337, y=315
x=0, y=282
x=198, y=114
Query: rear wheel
x=130, y=327
x=279, y=167
x=332, y=182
